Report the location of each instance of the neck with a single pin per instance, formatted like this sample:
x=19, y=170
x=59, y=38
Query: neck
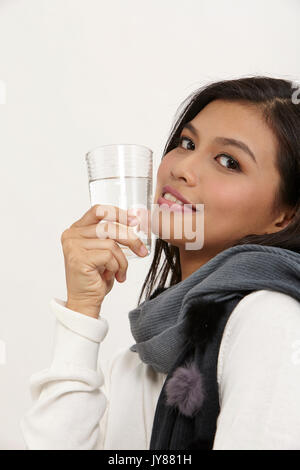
x=191, y=260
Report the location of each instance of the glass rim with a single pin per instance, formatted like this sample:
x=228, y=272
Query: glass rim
x=117, y=145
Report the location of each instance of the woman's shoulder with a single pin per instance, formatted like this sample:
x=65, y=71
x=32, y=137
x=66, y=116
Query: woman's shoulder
x=258, y=374
x=264, y=305
x=264, y=324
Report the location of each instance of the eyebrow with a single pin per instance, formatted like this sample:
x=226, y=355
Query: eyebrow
x=225, y=141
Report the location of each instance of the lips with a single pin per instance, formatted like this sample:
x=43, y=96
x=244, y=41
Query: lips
x=173, y=205
x=169, y=189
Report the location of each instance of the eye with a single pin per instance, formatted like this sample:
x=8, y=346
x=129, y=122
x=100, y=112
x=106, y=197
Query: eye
x=232, y=160
x=182, y=139
x=236, y=166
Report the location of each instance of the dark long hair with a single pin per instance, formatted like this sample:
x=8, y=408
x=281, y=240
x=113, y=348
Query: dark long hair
x=273, y=96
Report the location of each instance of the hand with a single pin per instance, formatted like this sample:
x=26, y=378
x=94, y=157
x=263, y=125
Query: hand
x=92, y=263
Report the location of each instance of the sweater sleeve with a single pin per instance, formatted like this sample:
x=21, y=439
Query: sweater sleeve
x=259, y=375
x=69, y=400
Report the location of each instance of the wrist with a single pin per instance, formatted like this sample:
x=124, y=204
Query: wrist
x=83, y=307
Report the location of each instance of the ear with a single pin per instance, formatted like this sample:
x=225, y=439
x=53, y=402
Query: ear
x=282, y=221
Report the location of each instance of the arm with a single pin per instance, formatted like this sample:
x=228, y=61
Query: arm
x=259, y=374
x=68, y=401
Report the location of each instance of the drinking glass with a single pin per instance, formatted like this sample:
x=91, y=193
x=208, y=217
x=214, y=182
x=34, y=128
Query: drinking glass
x=121, y=175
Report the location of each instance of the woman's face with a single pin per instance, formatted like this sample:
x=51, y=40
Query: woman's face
x=237, y=189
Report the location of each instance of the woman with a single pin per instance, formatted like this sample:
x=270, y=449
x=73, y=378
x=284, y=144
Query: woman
x=234, y=148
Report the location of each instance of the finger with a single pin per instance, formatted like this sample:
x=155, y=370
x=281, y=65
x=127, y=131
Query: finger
x=144, y=217
x=122, y=235
x=91, y=231
x=96, y=244
x=102, y=211
x=102, y=260
x=110, y=230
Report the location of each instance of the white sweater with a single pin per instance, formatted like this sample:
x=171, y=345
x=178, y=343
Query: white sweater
x=78, y=405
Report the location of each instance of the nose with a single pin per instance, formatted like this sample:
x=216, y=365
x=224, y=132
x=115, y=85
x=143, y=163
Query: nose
x=184, y=169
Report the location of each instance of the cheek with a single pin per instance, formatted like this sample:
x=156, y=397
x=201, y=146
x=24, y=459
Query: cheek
x=162, y=175
x=234, y=201
x=164, y=167
x=229, y=211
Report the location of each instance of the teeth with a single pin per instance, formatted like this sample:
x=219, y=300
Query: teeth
x=170, y=197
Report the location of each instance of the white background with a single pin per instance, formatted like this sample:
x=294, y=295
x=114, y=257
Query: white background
x=83, y=73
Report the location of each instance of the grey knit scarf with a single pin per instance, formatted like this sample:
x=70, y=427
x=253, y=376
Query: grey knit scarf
x=157, y=325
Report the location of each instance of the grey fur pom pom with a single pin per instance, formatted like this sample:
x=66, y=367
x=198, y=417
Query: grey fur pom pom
x=185, y=389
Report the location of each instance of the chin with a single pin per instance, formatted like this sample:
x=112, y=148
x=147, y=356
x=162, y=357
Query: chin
x=174, y=242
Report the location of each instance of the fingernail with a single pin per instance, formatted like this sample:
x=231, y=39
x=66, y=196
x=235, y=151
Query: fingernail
x=143, y=250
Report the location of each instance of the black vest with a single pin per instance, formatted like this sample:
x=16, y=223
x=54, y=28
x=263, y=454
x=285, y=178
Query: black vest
x=204, y=330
